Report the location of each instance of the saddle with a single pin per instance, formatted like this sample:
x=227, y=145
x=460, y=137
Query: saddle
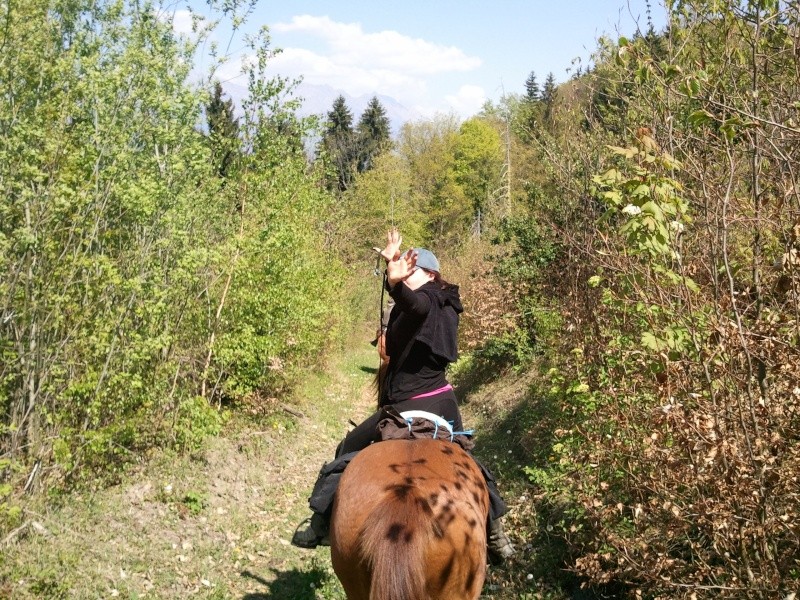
x=393, y=425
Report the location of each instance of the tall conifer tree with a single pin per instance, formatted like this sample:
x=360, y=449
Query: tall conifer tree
x=549, y=94
x=373, y=134
x=549, y=89
x=338, y=143
x=532, y=88
x=223, y=129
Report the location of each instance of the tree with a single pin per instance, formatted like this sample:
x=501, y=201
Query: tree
x=380, y=197
x=532, y=92
x=128, y=288
x=338, y=146
x=428, y=147
x=549, y=93
x=340, y=119
x=223, y=130
x=478, y=163
x=688, y=148
x=373, y=134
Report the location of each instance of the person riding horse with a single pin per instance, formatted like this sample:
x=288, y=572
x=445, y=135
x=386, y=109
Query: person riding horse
x=421, y=340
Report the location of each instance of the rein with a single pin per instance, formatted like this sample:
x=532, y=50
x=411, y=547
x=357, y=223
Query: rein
x=380, y=322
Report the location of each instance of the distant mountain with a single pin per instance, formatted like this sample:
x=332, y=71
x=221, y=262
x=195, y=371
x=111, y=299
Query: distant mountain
x=318, y=100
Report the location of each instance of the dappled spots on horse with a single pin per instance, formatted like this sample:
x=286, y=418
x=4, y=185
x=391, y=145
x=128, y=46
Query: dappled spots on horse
x=399, y=533
x=409, y=522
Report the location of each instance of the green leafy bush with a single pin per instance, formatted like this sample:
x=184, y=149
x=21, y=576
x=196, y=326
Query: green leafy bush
x=141, y=286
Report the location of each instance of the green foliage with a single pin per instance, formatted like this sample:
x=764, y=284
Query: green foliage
x=666, y=258
x=513, y=349
x=439, y=177
x=223, y=130
x=529, y=250
x=338, y=146
x=348, y=151
x=548, y=96
x=373, y=134
x=139, y=288
x=380, y=197
x=195, y=421
x=10, y=509
x=478, y=162
x=532, y=91
x=428, y=151
x=652, y=216
x=279, y=321
x=194, y=501
x=656, y=213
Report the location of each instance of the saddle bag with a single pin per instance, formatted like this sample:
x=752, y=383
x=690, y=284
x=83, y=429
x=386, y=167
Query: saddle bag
x=321, y=500
x=395, y=426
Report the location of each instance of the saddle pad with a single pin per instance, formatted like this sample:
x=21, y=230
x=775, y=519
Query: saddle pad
x=423, y=414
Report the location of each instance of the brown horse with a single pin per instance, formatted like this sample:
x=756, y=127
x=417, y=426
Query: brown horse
x=409, y=523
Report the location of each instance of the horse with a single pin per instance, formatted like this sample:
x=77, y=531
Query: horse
x=409, y=523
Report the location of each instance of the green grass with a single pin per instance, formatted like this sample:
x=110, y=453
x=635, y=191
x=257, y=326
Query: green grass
x=212, y=524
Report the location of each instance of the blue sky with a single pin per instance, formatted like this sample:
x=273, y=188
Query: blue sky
x=437, y=55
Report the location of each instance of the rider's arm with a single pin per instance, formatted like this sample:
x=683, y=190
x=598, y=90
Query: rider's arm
x=416, y=303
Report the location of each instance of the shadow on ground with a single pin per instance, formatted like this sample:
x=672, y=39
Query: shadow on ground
x=517, y=423
x=288, y=585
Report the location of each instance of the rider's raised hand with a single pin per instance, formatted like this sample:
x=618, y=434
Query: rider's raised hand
x=401, y=268
x=392, y=250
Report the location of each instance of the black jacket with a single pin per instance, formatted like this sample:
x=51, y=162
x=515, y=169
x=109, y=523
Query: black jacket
x=421, y=339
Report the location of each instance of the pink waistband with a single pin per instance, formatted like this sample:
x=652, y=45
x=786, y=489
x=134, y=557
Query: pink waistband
x=446, y=388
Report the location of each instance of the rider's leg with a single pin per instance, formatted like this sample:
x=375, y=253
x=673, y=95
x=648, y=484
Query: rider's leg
x=313, y=531
x=314, y=534
x=499, y=546
x=361, y=436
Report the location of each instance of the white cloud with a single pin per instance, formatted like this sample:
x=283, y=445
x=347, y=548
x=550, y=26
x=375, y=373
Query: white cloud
x=183, y=21
x=344, y=57
x=386, y=62
x=468, y=100
x=350, y=45
x=356, y=79
x=234, y=69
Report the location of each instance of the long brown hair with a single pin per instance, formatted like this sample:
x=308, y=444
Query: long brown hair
x=440, y=281
x=380, y=379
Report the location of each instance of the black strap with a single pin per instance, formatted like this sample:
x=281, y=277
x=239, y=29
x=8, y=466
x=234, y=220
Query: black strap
x=383, y=295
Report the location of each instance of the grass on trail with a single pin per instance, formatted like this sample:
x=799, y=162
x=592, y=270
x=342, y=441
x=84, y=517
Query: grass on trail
x=217, y=523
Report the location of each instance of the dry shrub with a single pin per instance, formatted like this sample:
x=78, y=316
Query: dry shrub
x=486, y=299
x=677, y=472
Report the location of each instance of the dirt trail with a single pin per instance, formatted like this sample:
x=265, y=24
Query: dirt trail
x=213, y=525
x=217, y=524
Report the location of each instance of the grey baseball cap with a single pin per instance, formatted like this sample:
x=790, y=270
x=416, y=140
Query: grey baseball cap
x=427, y=260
